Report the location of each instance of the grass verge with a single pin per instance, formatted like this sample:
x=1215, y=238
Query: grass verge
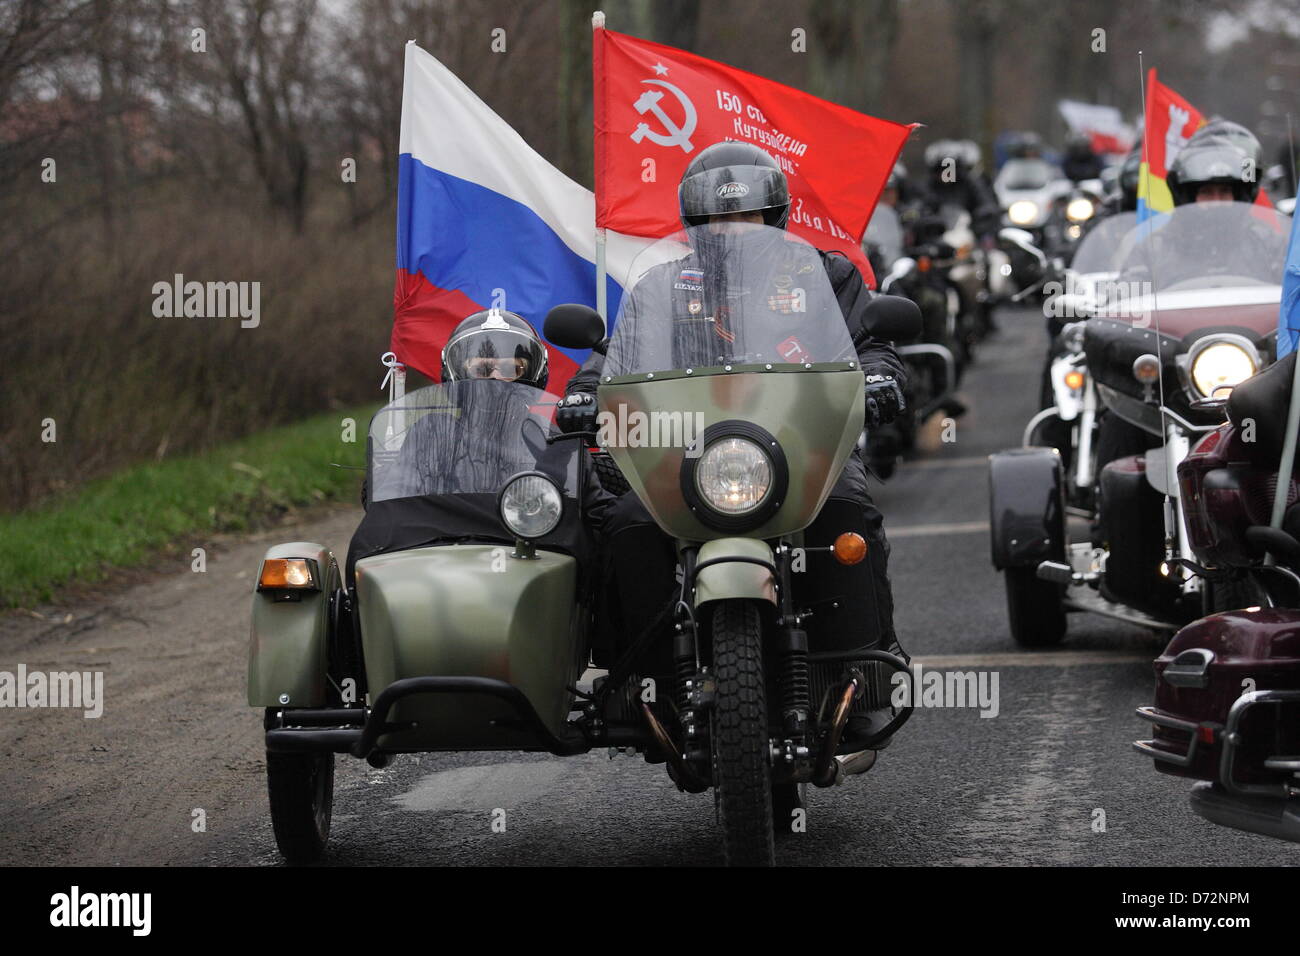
x=125, y=519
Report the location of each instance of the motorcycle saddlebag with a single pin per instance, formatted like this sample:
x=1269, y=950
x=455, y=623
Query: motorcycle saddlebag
x=1203, y=679
x=1133, y=531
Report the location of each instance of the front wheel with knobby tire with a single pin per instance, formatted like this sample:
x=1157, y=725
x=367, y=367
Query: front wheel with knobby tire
x=741, y=772
x=1035, y=608
x=301, y=788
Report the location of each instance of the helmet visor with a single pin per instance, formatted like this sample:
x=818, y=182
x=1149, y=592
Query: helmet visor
x=498, y=353
x=728, y=189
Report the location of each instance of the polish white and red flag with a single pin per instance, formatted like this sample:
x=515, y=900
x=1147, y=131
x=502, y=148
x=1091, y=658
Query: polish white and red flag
x=657, y=107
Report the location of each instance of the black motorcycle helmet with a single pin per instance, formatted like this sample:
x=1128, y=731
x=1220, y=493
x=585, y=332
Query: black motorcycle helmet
x=495, y=340
x=1211, y=161
x=1130, y=176
x=733, y=177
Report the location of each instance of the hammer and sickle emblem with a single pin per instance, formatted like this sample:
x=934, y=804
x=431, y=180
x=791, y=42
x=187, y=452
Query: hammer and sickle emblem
x=674, y=135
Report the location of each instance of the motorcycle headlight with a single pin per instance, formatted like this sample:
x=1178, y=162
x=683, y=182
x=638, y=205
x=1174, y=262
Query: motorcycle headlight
x=1023, y=212
x=733, y=476
x=530, y=505
x=1079, y=209
x=1219, y=363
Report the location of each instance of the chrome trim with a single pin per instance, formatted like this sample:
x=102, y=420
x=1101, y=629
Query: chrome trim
x=1034, y=422
x=1148, y=747
x=1190, y=673
x=1232, y=740
x=1264, y=815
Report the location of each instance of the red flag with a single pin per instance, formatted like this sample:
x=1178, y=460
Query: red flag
x=657, y=107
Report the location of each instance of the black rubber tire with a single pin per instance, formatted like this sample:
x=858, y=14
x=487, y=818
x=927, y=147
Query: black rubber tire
x=611, y=477
x=301, y=788
x=1034, y=608
x=786, y=799
x=742, y=776
x=1231, y=595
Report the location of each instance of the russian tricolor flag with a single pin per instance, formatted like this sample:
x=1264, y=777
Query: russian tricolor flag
x=484, y=221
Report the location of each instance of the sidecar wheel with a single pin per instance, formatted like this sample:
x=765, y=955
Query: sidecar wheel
x=1034, y=608
x=301, y=788
x=742, y=778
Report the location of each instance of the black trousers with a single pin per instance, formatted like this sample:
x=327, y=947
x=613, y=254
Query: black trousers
x=852, y=606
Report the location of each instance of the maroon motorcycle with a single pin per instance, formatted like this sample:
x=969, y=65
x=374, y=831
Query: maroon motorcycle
x=1227, y=710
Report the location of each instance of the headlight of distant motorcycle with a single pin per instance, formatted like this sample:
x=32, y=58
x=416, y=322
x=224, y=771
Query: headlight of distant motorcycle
x=1218, y=363
x=1079, y=209
x=1023, y=212
x=530, y=505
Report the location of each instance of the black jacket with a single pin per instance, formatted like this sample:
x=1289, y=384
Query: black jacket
x=875, y=356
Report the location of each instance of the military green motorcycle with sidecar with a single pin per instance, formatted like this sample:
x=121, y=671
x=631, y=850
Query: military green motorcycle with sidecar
x=466, y=612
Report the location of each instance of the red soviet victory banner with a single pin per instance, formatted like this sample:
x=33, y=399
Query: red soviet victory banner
x=657, y=107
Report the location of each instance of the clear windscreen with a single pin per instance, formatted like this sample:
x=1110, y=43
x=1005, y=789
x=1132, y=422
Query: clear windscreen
x=728, y=293
x=1027, y=174
x=1205, y=246
x=466, y=437
x=1099, y=250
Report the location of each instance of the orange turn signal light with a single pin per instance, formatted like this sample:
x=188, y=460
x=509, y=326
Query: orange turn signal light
x=849, y=548
x=1074, y=380
x=923, y=264
x=280, y=573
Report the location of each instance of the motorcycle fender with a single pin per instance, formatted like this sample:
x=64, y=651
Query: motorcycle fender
x=471, y=610
x=1026, y=507
x=286, y=658
x=735, y=575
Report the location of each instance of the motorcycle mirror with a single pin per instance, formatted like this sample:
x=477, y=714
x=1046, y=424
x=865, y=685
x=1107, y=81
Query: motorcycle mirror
x=901, y=268
x=893, y=318
x=574, y=326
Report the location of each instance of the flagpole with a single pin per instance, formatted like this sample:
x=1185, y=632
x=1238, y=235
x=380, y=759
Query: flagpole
x=1293, y=413
x=602, y=306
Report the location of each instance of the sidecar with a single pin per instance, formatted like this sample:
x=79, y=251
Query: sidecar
x=458, y=620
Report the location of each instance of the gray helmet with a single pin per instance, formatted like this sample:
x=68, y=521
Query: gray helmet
x=1234, y=134
x=732, y=177
x=1211, y=161
x=490, y=338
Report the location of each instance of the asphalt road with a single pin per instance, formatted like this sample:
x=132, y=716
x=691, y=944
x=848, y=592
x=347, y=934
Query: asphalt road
x=1050, y=779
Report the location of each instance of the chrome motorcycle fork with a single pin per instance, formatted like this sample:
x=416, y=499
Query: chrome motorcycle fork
x=1083, y=463
x=1177, y=540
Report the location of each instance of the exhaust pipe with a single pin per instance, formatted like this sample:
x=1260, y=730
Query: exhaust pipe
x=825, y=772
x=680, y=772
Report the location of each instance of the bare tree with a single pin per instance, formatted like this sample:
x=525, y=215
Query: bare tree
x=850, y=48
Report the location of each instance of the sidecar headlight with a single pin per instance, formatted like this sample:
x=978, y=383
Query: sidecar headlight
x=530, y=505
x=1023, y=212
x=1079, y=208
x=1216, y=363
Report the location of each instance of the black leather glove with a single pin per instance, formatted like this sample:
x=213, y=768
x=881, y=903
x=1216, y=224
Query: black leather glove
x=884, y=400
x=577, y=413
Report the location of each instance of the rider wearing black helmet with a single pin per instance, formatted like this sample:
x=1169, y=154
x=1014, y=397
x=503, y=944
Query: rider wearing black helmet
x=726, y=186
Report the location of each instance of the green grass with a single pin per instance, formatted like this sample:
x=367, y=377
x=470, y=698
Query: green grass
x=134, y=515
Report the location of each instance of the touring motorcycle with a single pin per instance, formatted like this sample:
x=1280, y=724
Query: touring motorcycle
x=909, y=269
x=1070, y=407
x=462, y=618
x=1192, y=311
x=1227, y=693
